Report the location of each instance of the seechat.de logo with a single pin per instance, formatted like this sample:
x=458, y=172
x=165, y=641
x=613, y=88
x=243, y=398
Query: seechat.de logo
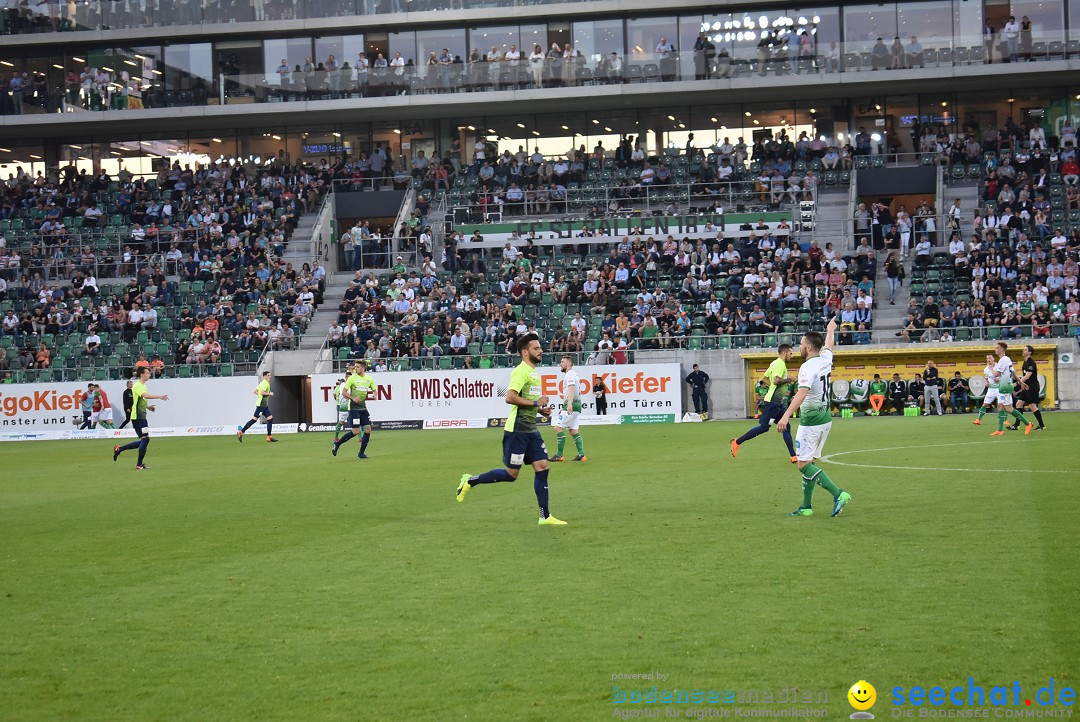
x=862, y=696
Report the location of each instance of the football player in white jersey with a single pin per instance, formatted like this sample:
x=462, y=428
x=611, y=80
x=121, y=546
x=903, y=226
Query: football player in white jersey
x=1006, y=378
x=990, y=402
x=814, y=397
x=569, y=410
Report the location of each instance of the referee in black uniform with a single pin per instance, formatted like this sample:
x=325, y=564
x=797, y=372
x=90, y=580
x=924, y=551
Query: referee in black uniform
x=1029, y=397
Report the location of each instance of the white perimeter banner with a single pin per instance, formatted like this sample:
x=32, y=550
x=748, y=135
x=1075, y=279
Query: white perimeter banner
x=203, y=402
x=638, y=393
x=129, y=433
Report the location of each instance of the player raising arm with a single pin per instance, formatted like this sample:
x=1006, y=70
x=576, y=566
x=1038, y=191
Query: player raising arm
x=522, y=443
x=814, y=398
x=138, y=418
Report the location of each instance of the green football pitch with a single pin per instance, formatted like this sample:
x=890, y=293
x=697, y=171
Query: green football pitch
x=273, y=582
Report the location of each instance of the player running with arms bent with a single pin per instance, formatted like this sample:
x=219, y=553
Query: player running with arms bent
x=773, y=409
x=356, y=389
x=813, y=397
x=138, y=418
x=262, y=408
x=569, y=410
x=522, y=443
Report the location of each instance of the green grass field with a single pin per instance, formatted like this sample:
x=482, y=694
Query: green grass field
x=273, y=582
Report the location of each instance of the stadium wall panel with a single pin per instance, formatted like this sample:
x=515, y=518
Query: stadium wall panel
x=202, y=402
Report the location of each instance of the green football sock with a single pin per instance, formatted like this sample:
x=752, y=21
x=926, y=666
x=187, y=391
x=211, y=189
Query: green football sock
x=807, y=493
x=580, y=444
x=1019, y=416
x=561, y=438
x=982, y=412
x=818, y=476
x=1001, y=420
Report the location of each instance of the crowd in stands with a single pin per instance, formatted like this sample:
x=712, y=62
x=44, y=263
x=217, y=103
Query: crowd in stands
x=218, y=230
x=640, y=293
x=1017, y=269
x=776, y=170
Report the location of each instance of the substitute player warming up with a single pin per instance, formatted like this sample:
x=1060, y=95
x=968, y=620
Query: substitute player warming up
x=773, y=409
x=139, y=407
x=569, y=411
x=262, y=408
x=522, y=443
x=815, y=421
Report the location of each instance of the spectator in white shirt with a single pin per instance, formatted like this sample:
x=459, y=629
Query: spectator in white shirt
x=579, y=324
x=458, y=342
x=93, y=343
x=150, y=319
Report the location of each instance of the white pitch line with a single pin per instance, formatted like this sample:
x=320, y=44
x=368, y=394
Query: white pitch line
x=830, y=459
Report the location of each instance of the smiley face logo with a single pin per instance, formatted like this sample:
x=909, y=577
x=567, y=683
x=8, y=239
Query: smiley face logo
x=862, y=695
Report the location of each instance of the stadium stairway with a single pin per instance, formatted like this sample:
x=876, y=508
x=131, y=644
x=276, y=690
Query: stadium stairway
x=968, y=194
x=300, y=249
x=888, y=319
x=833, y=209
x=336, y=285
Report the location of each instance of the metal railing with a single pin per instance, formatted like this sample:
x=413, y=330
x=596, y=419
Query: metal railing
x=476, y=360
x=322, y=231
x=68, y=373
x=108, y=15
x=599, y=195
x=992, y=333
x=136, y=92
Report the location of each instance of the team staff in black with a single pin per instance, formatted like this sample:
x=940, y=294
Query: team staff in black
x=129, y=401
x=600, y=394
x=958, y=393
x=898, y=394
x=1029, y=397
x=932, y=388
x=698, y=379
x=916, y=390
